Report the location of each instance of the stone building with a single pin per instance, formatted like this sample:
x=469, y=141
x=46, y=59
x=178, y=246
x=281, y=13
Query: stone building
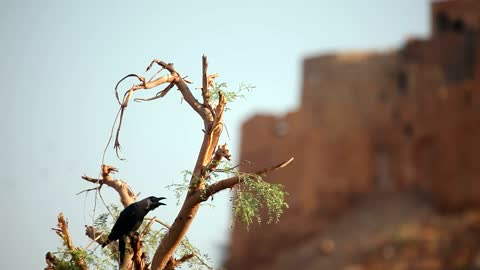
x=373, y=123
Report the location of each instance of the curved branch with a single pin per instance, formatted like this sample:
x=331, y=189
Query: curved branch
x=121, y=80
x=123, y=189
x=173, y=78
x=144, y=84
x=158, y=95
x=184, y=89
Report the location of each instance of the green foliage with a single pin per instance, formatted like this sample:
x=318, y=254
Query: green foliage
x=200, y=261
x=255, y=195
x=250, y=199
x=152, y=238
x=65, y=259
x=104, y=258
x=66, y=265
x=101, y=221
x=224, y=167
x=230, y=95
x=182, y=187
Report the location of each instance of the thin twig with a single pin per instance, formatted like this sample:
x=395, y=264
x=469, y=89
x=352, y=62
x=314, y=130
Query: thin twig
x=155, y=74
x=111, y=135
x=158, y=95
x=147, y=228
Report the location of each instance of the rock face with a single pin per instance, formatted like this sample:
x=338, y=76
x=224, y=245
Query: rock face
x=372, y=123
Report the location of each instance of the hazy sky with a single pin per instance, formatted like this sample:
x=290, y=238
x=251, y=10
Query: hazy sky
x=60, y=61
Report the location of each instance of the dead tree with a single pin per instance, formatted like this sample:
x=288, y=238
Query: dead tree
x=210, y=155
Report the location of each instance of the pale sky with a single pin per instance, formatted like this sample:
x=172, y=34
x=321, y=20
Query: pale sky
x=60, y=61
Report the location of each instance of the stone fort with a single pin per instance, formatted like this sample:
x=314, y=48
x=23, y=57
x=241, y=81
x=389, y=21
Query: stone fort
x=372, y=123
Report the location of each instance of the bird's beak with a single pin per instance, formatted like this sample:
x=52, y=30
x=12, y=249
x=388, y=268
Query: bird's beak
x=159, y=199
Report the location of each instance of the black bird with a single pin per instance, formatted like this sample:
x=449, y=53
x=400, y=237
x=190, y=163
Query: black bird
x=130, y=220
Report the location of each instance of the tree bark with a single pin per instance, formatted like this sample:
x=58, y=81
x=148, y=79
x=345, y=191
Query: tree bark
x=213, y=126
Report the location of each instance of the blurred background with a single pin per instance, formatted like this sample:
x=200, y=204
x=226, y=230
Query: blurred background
x=386, y=157
x=376, y=102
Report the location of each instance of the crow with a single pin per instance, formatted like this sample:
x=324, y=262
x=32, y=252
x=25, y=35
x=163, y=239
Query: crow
x=130, y=220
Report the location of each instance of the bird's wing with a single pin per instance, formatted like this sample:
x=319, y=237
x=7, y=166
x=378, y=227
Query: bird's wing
x=125, y=223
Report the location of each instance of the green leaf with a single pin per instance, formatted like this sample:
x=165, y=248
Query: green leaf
x=256, y=194
x=230, y=95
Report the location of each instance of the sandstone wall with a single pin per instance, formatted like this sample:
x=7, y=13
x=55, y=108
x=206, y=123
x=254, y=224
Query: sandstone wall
x=372, y=122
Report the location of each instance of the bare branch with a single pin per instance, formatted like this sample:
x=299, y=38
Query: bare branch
x=207, y=82
x=171, y=78
x=147, y=228
x=174, y=263
x=111, y=135
x=155, y=74
x=123, y=189
x=143, y=85
x=205, y=92
x=121, y=80
x=158, y=95
x=116, y=145
x=88, y=189
x=174, y=79
x=184, y=89
x=185, y=258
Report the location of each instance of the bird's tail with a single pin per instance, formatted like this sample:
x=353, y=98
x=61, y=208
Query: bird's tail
x=106, y=243
x=121, y=250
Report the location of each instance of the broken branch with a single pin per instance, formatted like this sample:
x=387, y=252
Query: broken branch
x=205, y=92
x=62, y=231
x=184, y=89
x=139, y=258
x=123, y=189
